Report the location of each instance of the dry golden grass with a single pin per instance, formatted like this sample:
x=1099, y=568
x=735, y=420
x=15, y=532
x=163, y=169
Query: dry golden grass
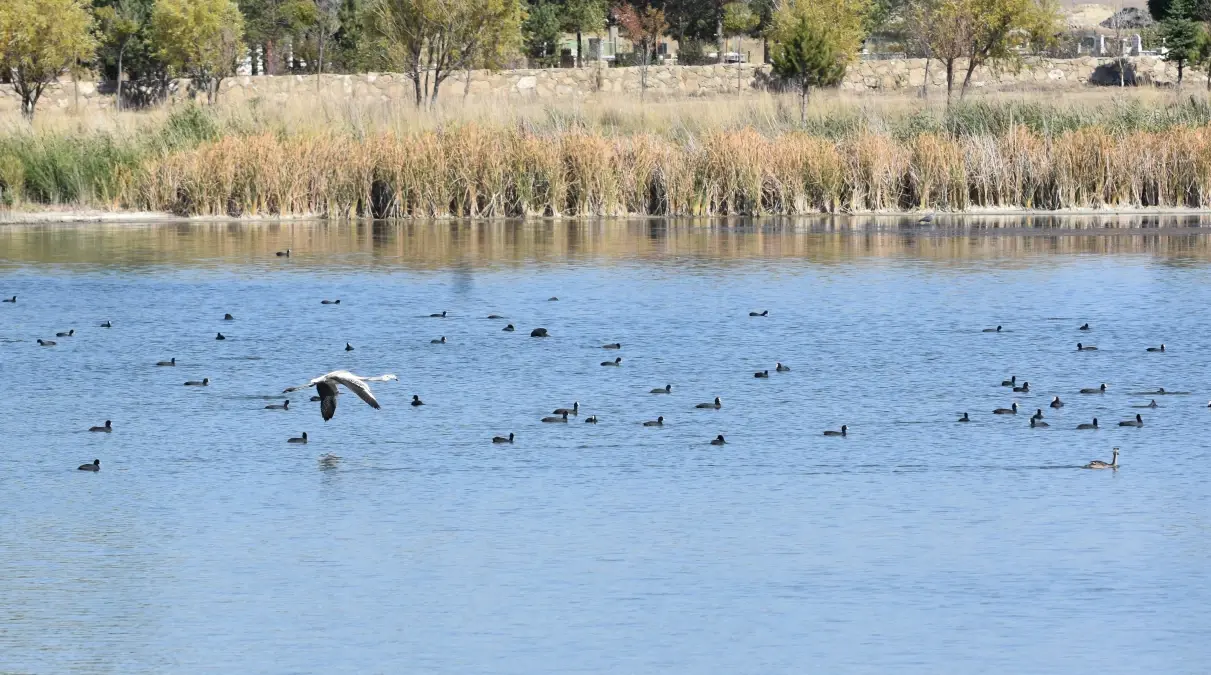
x=744, y=156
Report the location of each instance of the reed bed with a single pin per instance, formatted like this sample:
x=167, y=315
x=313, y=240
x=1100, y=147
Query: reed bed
x=979, y=157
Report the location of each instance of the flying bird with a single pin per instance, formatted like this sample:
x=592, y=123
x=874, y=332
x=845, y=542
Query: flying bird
x=326, y=387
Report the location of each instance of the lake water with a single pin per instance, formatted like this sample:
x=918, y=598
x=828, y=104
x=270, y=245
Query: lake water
x=207, y=544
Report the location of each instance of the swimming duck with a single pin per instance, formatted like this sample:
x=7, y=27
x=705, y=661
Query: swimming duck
x=438, y=316
x=1011, y=382
x=574, y=410
x=67, y=333
x=1137, y=422
x=502, y=439
x=46, y=343
x=194, y=383
x=220, y=336
x=495, y=316
x=95, y=466
x=761, y=373
x=761, y=313
x=283, y=254
x=1095, y=390
x=964, y=418
x=300, y=439
x=416, y=401
x=1085, y=348
x=615, y=362
x=1025, y=388
x=562, y=418
x=442, y=341
x=781, y=368
x=844, y=432
x=348, y=347
x=1038, y=414
x=508, y=329
x=658, y=422
x=107, y=325
x=1151, y=404
x=1057, y=403
x=1038, y=424
x=716, y=405
x=12, y=299
x=228, y=317
x=1157, y=349
x=284, y=405
x=1088, y=426
x=993, y=330
x=539, y=332
x=615, y=345
x=105, y=429
x=1099, y=464
x=718, y=440
x=552, y=299
x=171, y=362
x=1085, y=327
x=1011, y=410
x=667, y=389
x=330, y=302
x=591, y=419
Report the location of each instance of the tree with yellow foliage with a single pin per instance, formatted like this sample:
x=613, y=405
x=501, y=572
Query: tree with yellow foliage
x=39, y=41
x=202, y=39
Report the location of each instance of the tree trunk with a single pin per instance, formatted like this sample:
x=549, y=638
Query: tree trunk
x=467, y=86
x=971, y=66
x=720, y=40
x=804, y=89
x=270, y=68
x=1180, y=68
x=739, y=70
x=925, y=82
x=950, y=79
x=119, y=100
x=579, y=49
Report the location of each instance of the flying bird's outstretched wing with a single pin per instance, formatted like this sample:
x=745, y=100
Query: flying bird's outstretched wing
x=327, y=392
x=356, y=385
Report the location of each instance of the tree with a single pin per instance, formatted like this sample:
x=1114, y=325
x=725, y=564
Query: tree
x=120, y=26
x=1183, y=35
x=428, y=40
x=39, y=41
x=540, y=32
x=816, y=42
x=348, y=36
x=738, y=21
x=1159, y=9
x=583, y=16
x=202, y=39
x=943, y=29
x=644, y=30
x=269, y=23
x=1001, y=26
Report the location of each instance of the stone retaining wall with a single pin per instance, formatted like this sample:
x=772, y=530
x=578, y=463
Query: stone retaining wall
x=664, y=82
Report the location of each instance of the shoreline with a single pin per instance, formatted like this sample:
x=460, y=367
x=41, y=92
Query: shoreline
x=67, y=216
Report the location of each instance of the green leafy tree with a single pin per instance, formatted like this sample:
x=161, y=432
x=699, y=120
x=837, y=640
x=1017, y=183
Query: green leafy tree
x=816, y=42
x=1183, y=35
x=270, y=23
x=540, y=32
x=121, y=26
x=39, y=41
x=429, y=40
x=201, y=39
x=942, y=29
x=583, y=16
x=739, y=20
x=348, y=37
x=1159, y=9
